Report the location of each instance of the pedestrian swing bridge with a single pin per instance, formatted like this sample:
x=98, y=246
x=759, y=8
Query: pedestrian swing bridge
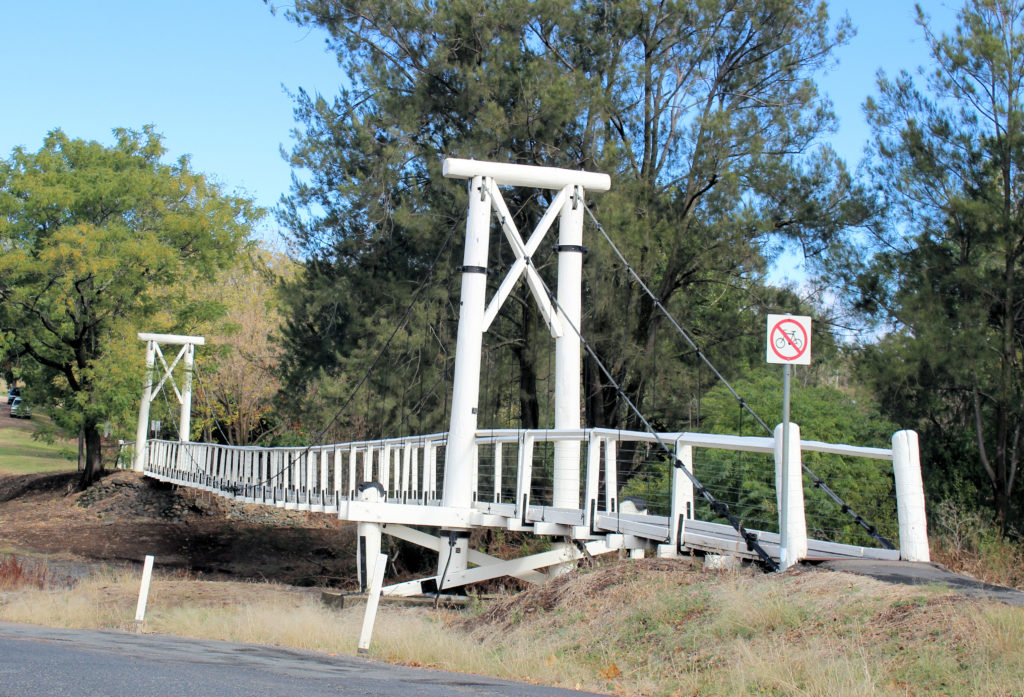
x=562, y=482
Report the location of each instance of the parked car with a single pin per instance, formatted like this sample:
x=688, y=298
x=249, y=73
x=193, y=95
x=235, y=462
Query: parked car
x=20, y=409
x=15, y=392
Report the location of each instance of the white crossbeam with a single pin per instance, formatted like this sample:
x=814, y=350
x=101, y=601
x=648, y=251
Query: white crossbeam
x=173, y=338
x=511, y=567
x=525, y=175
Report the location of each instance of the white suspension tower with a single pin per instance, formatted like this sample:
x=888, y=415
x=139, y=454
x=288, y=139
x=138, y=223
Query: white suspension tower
x=186, y=355
x=476, y=316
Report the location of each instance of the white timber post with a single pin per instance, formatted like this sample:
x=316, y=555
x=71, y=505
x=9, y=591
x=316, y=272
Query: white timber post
x=906, y=467
x=185, y=422
x=368, y=537
x=567, y=350
x=142, y=432
x=789, y=493
x=460, y=452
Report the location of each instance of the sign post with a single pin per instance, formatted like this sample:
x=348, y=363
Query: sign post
x=788, y=343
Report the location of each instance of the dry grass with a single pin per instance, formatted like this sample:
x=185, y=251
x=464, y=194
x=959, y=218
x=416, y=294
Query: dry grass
x=970, y=542
x=17, y=573
x=654, y=627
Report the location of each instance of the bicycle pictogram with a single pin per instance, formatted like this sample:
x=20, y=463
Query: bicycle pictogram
x=790, y=339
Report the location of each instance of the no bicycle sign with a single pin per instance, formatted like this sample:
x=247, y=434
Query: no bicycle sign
x=789, y=340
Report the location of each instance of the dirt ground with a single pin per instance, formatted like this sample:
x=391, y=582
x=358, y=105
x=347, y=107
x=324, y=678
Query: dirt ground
x=124, y=516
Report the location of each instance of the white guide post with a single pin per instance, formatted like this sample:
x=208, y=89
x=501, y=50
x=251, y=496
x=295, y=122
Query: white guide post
x=789, y=493
x=142, y=432
x=568, y=350
x=906, y=466
x=147, y=577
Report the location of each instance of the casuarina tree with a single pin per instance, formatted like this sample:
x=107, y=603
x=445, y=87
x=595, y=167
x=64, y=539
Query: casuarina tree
x=947, y=277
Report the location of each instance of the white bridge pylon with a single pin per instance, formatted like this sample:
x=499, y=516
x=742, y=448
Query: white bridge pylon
x=475, y=317
x=186, y=355
x=391, y=487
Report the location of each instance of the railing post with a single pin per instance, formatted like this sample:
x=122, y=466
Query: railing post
x=611, y=475
x=789, y=488
x=681, y=508
x=524, y=476
x=906, y=467
x=497, y=473
x=593, y=481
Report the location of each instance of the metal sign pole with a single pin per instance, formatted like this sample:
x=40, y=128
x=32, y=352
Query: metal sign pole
x=789, y=344
x=784, y=516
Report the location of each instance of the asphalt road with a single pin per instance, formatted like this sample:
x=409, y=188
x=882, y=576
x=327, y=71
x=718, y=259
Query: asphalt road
x=46, y=662
x=926, y=573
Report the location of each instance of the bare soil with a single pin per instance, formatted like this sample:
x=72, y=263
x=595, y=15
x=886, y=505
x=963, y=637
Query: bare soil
x=125, y=516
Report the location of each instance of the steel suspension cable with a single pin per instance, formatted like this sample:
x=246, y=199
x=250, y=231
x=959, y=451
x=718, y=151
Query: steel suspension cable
x=720, y=508
x=819, y=483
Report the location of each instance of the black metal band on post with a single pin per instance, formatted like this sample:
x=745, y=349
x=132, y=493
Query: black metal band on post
x=472, y=269
x=571, y=248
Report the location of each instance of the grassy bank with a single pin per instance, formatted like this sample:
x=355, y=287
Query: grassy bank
x=653, y=627
x=21, y=454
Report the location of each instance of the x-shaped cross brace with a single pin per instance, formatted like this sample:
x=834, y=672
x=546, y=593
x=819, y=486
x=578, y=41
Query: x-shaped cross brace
x=168, y=371
x=523, y=264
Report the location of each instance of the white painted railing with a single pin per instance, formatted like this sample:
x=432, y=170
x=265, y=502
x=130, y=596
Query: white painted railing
x=511, y=482
x=313, y=478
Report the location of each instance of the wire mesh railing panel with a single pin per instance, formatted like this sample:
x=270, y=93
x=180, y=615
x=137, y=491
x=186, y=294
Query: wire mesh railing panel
x=868, y=487
x=644, y=475
x=744, y=481
x=488, y=472
x=542, y=477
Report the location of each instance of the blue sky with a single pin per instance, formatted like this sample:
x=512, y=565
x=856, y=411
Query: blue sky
x=211, y=76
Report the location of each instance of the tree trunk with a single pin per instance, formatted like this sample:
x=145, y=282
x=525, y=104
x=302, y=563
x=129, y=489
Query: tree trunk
x=529, y=405
x=93, y=454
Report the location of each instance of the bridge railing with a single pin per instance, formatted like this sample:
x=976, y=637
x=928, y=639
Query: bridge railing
x=314, y=478
x=515, y=474
x=513, y=478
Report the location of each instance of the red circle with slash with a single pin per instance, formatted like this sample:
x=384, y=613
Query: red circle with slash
x=788, y=343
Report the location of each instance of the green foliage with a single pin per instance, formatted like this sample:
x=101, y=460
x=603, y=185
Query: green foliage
x=946, y=274
x=99, y=243
x=746, y=481
x=705, y=114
